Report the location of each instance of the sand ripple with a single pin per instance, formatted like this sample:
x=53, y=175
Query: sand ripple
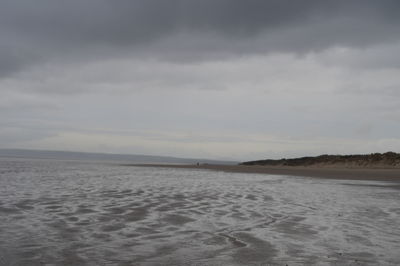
x=66, y=213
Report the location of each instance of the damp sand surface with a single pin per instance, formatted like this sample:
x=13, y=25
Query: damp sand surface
x=329, y=172
x=75, y=213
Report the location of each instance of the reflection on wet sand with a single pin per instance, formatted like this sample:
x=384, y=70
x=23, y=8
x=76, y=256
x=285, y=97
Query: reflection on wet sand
x=67, y=213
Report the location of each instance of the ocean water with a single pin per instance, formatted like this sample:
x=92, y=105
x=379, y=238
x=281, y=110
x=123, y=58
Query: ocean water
x=75, y=213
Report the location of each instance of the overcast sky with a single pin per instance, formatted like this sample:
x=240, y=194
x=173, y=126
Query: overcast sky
x=231, y=79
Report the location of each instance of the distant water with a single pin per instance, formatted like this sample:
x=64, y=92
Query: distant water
x=71, y=213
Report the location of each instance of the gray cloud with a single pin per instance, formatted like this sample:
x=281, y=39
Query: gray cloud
x=237, y=79
x=40, y=31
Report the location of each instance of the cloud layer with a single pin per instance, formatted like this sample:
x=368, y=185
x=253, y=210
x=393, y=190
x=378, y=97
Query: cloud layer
x=322, y=74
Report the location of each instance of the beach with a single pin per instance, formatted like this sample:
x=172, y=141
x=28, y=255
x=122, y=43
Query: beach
x=57, y=212
x=378, y=174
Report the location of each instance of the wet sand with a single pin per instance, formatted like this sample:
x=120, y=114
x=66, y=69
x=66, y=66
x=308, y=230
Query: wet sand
x=71, y=213
x=378, y=174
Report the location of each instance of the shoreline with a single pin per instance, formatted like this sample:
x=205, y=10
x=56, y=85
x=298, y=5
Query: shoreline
x=375, y=174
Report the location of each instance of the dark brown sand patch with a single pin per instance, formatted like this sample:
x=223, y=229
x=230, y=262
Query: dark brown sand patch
x=54, y=207
x=234, y=240
x=84, y=210
x=251, y=197
x=116, y=210
x=177, y=219
x=26, y=204
x=72, y=219
x=293, y=227
x=136, y=214
x=268, y=198
x=255, y=249
x=113, y=227
x=9, y=210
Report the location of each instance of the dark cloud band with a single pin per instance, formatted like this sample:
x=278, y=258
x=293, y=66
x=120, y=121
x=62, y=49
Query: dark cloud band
x=45, y=29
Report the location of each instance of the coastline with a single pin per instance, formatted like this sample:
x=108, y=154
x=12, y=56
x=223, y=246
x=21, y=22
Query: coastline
x=375, y=174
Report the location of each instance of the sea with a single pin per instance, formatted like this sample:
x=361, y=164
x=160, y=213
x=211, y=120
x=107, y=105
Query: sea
x=59, y=212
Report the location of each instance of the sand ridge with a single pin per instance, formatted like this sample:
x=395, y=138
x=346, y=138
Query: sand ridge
x=379, y=174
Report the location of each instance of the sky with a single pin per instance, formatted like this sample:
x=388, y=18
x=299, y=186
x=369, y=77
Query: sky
x=221, y=79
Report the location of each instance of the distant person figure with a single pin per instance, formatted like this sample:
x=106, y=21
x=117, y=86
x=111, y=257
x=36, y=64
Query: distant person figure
x=198, y=164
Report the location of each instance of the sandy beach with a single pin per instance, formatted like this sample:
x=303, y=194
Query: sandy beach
x=92, y=213
x=379, y=174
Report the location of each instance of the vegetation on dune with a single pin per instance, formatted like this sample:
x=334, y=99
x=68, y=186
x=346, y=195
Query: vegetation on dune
x=390, y=159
